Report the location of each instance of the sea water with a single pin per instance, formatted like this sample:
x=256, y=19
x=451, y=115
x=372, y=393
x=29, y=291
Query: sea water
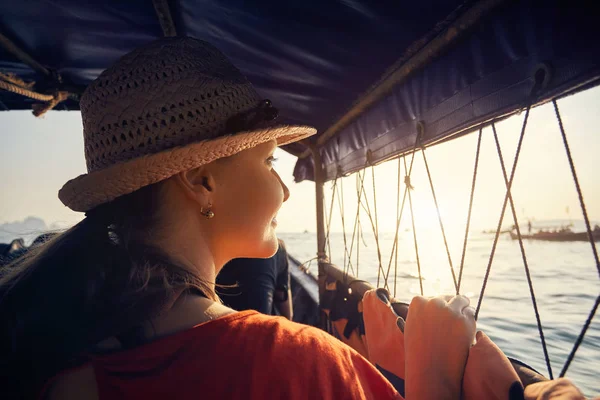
x=564, y=277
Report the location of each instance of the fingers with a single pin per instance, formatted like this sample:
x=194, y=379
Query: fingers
x=469, y=312
x=401, y=323
x=383, y=295
x=561, y=388
x=417, y=301
x=458, y=303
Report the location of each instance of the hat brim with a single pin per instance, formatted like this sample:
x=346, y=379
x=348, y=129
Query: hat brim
x=90, y=190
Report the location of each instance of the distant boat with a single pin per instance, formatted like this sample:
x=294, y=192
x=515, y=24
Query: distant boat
x=560, y=236
x=493, y=232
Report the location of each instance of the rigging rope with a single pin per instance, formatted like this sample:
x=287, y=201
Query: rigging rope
x=334, y=188
x=357, y=224
x=499, y=227
x=348, y=265
x=399, y=218
x=523, y=256
x=355, y=233
x=367, y=209
x=590, y=237
x=576, y=180
x=475, y=169
x=376, y=231
x=437, y=208
x=395, y=245
x=11, y=87
x=580, y=337
x=412, y=217
x=9, y=84
x=15, y=80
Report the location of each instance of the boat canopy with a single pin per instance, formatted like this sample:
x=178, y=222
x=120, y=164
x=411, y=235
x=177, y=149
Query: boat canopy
x=369, y=75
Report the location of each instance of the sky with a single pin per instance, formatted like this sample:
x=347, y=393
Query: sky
x=39, y=155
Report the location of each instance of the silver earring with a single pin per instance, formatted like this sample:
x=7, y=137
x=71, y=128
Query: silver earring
x=208, y=213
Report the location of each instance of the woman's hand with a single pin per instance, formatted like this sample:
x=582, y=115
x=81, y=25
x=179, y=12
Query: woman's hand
x=438, y=334
x=558, y=389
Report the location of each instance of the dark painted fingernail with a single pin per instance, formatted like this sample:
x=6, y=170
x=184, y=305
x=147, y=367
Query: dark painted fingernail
x=383, y=295
x=400, y=322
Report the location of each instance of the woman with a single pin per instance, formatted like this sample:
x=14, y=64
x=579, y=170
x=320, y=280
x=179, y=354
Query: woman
x=179, y=150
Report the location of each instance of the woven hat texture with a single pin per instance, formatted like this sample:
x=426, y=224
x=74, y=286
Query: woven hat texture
x=172, y=105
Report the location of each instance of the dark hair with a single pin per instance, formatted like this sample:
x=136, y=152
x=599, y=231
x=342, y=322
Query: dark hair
x=99, y=279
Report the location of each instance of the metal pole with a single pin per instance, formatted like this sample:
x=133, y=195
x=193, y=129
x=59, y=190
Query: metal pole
x=320, y=198
x=321, y=237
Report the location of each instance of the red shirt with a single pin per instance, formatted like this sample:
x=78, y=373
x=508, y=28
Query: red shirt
x=245, y=355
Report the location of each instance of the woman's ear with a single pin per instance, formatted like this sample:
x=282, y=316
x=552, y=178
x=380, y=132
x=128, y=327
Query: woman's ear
x=197, y=183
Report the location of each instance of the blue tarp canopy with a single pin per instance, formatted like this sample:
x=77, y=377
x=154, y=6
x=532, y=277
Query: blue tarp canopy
x=453, y=64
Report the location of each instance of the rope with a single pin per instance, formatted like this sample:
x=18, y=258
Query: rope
x=9, y=83
x=475, y=169
x=590, y=237
x=398, y=220
x=358, y=247
x=367, y=209
x=11, y=87
x=360, y=235
x=334, y=187
x=580, y=337
x=14, y=79
x=437, y=208
x=395, y=246
x=305, y=266
x=41, y=109
x=376, y=232
x=357, y=220
x=342, y=212
x=412, y=217
x=499, y=227
x=524, y=257
x=576, y=180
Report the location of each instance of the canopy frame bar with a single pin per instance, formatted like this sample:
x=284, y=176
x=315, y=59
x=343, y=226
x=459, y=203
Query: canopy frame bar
x=163, y=12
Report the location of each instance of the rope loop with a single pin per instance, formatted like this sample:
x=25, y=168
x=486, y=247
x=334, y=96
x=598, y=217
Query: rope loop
x=370, y=158
x=14, y=84
x=322, y=257
x=542, y=75
x=41, y=109
x=420, y=134
x=407, y=182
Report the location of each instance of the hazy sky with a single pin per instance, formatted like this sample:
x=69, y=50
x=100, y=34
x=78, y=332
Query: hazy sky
x=38, y=155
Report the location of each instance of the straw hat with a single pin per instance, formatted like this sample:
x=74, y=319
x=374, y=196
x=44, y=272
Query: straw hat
x=173, y=105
